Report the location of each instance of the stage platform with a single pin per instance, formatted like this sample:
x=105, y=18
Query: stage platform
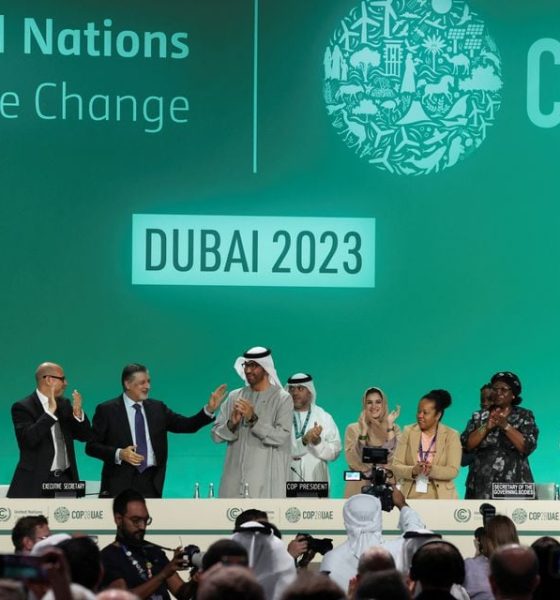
x=181, y=522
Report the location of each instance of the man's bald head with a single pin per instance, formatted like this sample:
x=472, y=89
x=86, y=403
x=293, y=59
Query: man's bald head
x=514, y=572
x=375, y=559
x=47, y=368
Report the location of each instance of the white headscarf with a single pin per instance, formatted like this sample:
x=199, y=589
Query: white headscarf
x=271, y=563
x=363, y=523
x=263, y=357
x=305, y=380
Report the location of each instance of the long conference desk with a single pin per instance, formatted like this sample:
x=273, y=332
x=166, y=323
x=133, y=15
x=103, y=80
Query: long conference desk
x=180, y=522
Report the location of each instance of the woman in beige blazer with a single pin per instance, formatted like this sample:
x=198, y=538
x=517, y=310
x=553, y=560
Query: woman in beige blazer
x=428, y=454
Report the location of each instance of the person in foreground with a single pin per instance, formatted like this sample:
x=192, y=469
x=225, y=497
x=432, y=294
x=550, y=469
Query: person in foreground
x=514, y=573
x=130, y=435
x=428, y=454
x=132, y=563
x=436, y=567
x=46, y=425
x=364, y=526
x=256, y=423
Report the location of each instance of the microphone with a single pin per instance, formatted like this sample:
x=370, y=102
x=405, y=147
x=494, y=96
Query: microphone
x=301, y=478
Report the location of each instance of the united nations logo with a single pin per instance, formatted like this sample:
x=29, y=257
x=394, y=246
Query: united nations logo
x=412, y=86
x=519, y=516
x=233, y=513
x=293, y=514
x=5, y=513
x=61, y=514
x=462, y=515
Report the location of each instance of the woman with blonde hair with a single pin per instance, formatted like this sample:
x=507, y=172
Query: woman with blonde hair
x=375, y=427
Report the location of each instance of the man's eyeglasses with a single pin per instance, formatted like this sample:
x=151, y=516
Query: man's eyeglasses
x=59, y=377
x=138, y=520
x=247, y=365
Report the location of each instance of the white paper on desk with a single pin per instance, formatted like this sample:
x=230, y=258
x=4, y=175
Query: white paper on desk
x=422, y=484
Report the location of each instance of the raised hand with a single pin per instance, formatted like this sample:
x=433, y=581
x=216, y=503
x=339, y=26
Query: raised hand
x=77, y=404
x=393, y=415
x=217, y=397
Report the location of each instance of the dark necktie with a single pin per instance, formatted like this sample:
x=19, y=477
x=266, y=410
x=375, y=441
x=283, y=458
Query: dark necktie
x=141, y=441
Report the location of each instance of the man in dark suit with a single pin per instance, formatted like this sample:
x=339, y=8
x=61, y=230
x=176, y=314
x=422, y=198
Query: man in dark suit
x=130, y=435
x=46, y=425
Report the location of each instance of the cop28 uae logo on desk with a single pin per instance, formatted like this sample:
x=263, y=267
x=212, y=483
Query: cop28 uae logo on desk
x=412, y=86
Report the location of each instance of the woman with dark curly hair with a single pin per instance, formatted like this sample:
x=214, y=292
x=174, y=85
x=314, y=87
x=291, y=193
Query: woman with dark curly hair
x=428, y=454
x=501, y=439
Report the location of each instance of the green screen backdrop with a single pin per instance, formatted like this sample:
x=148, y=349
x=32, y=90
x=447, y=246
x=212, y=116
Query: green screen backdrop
x=368, y=188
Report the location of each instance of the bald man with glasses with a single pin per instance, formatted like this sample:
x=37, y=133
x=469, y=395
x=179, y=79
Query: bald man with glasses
x=46, y=425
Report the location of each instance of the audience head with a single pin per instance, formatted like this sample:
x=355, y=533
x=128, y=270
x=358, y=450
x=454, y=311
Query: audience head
x=437, y=565
x=229, y=583
x=28, y=531
x=500, y=530
x=374, y=559
x=547, y=550
x=227, y=552
x=313, y=586
x=116, y=594
x=84, y=559
x=514, y=572
x=251, y=514
x=131, y=516
x=382, y=585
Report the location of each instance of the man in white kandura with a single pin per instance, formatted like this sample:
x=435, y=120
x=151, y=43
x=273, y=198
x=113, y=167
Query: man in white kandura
x=315, y=436
x=256, y=423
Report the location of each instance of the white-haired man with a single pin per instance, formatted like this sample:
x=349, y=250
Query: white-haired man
x=256, y=423
x=315, y=436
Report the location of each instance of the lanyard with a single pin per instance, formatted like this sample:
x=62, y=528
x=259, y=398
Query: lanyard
x=424, y=454
x=299, y=434
x=146, y=573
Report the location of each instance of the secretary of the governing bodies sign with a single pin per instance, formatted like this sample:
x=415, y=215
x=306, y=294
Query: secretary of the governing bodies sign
x=253, y=251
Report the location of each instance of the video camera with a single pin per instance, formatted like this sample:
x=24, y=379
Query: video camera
x=192, y=557
x=378, y=486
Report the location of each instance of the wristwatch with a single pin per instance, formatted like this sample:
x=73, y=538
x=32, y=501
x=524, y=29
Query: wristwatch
x=253, y=419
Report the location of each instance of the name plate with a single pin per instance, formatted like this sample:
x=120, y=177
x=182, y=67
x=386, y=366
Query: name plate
x=513, y=491
x=63, y=489
x=307, y=489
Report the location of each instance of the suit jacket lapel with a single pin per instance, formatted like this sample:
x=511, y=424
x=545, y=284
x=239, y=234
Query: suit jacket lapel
x=415, y=434
x=122, y=417
x=440, y=443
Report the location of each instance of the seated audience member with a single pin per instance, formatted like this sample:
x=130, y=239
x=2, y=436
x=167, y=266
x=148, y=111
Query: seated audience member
x=297, y=548
x=130, y=563
x=28, y=531
x=499, y=531
x=364, y=526
x=269, y=560
x=230, y=583
x=372, y=560
x=514, y=573
x=313, y=586
x=436, y=567
x=84, y=560
x=549, y=585
x=382, y=585
x=226, y=551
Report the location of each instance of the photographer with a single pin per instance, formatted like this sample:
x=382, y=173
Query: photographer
x=133, y=564
x=364, y=526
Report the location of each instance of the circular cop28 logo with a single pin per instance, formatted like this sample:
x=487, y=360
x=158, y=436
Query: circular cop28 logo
x=293, y=514
x=462, y=515
x=61, y=514
x=412, y=86
x=519, y=516
x=5, y=513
